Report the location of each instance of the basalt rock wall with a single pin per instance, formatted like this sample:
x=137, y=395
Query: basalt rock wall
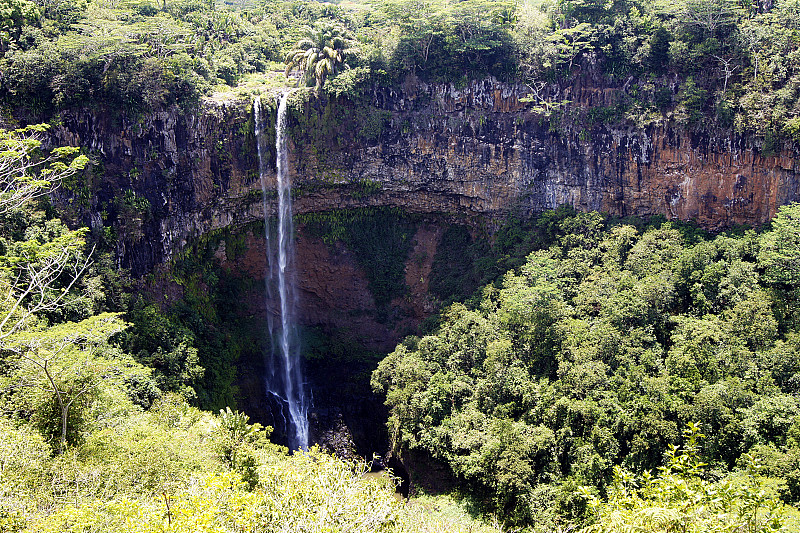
x=483, y=150
x=477, y=151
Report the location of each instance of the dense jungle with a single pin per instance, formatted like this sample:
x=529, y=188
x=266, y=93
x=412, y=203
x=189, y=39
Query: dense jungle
x=535, y=265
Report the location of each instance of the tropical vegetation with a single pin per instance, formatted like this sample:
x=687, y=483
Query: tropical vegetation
x=595, y=354
x=719, y=63
x=586, y=373
x=320, y=54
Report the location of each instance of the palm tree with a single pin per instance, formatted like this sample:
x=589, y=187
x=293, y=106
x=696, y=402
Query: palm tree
x=320, y=53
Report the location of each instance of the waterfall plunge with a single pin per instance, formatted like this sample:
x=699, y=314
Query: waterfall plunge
x=284, y=372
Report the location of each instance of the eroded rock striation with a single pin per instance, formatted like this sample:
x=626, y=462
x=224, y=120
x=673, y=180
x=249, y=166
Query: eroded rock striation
x=480, y=150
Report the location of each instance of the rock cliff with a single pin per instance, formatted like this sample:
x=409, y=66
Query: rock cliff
x=476, y=151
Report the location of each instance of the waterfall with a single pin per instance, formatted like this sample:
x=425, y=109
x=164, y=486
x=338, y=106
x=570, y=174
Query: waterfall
x=284, y=372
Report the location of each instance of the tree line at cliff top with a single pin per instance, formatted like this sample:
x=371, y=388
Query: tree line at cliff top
x=732, y=63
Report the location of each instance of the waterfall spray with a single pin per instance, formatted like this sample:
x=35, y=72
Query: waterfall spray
x=284, y=372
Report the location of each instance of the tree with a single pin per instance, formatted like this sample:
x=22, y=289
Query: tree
x=321, y=53
x=14, y=15
x=537, y=52
x=478, y=37
x=26, y=173
x=420, y=24
x=65, y=361
x=709, y=15
x=780, y=248
x=37, y=274
x=679, y=498
x=728, y=69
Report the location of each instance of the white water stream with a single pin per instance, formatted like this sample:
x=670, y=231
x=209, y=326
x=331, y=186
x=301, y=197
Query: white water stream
x=284, y=373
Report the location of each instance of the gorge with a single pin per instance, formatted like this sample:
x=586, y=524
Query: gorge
x=451, y=157
x=396, y=266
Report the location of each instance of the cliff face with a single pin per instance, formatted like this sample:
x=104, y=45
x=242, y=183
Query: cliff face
x=449, y=154
x=481, y=150
x=191, y=172
x=476, y=151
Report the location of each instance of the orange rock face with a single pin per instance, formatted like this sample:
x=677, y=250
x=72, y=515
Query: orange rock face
x=333, y=288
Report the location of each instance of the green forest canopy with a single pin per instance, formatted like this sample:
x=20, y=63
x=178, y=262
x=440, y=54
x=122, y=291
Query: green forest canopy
x=594, y=356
